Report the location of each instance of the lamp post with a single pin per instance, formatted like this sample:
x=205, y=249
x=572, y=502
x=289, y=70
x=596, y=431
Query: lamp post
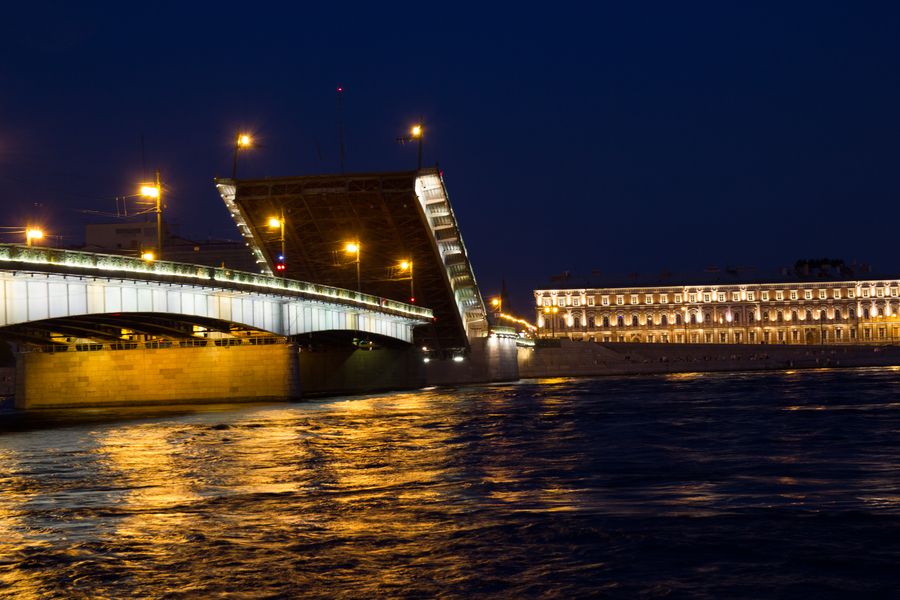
x=278, y=223
x=32, y=234
x=407, y=265
x=416, y=133
x=353, y=248
x=154, y=192
x=242, y=141
x=552, y=310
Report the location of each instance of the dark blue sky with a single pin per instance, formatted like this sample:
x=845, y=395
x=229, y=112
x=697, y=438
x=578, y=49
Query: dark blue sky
x=626, y=137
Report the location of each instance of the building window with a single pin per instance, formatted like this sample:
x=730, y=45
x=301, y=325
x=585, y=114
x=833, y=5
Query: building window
x=879, y=292
x=692, y=297
x=865, y=292
x=851, y=293
x=677, y=319
x=591, y=324
x=604, y=300
x=807, y=294
x=575, y=301
x=664, y=320
x=779, y=295
x=706, y=297
x=590, y=300
x=752, y=337
x=894, y=292
x=723, y=338
x=548, y=301
x=677, y=298
x=649, y=320
x=735, y=296
x=793, y=294
x=620, y=321
x=664, y=298
x=606, y=323
x=822, y=294
x=765, y=295
x=795, y=335
x=620, y=300
x=635, y=299
x=737, y=317
x=634, y=321
x=751, y=296
x=836, y=293
x=648, y=298
x=650, y=337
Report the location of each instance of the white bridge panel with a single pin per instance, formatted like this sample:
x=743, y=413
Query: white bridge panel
x=38, y=296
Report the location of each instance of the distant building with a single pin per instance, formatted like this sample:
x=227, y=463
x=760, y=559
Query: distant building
x=135, y=237
x=807, y=312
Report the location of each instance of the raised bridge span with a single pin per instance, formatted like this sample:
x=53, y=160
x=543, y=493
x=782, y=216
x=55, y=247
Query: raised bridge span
x=67, y=299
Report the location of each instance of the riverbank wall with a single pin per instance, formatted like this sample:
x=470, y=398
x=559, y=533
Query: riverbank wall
x=585, y=359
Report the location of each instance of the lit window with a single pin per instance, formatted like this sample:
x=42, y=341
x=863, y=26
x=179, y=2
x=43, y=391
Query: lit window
x=692, y=297
x=879, y=292
x=575, y=302
x=620, y=299
x=865, y=292
x=793, y=294
x=590, y=301
x=735, y=296
x=635, y=299
x=822, y=294
x=648, y=298
x=604, y=300
x=836, y=293
x=751, y=296
x=893, y=292
x=664, y=298
x=706, y=297
x=678, y=298
x=721, y=296
x=851, y=293
x=779, y=295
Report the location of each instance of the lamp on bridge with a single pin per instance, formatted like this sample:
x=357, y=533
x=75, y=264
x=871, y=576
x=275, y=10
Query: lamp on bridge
x=278, y=223
x=416, y=133
x=153, y=191
x=32, y=234
x=497, y=303
x=148, y=256
x=407, y=265
x=241, y=142
x=353, y=248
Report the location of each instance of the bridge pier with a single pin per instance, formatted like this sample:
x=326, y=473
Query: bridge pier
x=157, y=376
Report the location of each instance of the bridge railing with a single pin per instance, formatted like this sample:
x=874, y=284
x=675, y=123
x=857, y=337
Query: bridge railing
x=201, y=274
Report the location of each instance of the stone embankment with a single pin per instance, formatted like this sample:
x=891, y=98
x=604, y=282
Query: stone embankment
x=572, y=358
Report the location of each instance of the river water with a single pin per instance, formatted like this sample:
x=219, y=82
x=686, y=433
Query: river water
x=708, y=486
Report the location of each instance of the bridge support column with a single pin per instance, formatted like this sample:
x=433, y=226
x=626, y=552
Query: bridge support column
x=157, y=376
x=490, y=359
x=331, y=371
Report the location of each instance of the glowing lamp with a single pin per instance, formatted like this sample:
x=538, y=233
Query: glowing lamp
x=274, y=222
x=33, y=234
x=150, y=191
x=244, y=141
x=416, y=131
x=148, y=256
x=352, y=248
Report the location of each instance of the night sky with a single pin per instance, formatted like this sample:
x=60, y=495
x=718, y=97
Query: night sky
x=629, y=138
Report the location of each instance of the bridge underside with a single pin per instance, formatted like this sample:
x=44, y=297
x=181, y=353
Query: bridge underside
x=394, y=217
x=123, y=331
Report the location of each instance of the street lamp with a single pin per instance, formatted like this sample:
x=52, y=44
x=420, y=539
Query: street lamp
x=148, y=256
x=154, y=192
x=31, y=234
x=407, y=265
x=416, y=133
x=278, y=223
x=353, y=248
x=241, y=142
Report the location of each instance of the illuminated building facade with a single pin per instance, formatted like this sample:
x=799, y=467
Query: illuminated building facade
x=820, y=312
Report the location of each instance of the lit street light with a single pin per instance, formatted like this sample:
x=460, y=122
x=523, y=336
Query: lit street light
x=148, y=256
x=278, y=223
x=416, y=133
x=551, y=310
x=32, y=234
x=407, y=265
x=241, y=142
x=353, y=248
x=154, y=192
